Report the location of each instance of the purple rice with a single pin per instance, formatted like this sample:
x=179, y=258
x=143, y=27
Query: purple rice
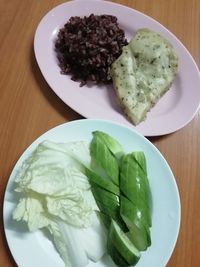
x=86, y=47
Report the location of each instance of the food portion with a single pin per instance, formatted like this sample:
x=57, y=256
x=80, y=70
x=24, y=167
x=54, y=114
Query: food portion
x=94, y=49
x=143, y=73
x=125, y=201
x=94, y=198
x=55, y=195
x=86, y=47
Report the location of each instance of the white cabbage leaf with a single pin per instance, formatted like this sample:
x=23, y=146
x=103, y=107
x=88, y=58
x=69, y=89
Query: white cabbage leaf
x=57, y=195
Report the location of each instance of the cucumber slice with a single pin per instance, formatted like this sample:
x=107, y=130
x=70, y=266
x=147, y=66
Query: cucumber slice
x=113, y=213
x=138, y=228
x=142, y=209
x=123, y=244
x=108, y=203
x=104, y=196
x=106, y=220
x=140, y=158
x=111, y=210
x=112, y=144
x=140, y=237
x=106, y=162
x=132, y=211
x=101, y=181
x=134, y=186
x=115, y=255
x=132, y=177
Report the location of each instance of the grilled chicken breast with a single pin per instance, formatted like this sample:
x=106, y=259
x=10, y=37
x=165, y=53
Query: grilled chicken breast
x=143, y=73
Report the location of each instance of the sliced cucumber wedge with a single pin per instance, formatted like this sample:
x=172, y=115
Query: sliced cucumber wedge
x=101, y=181
x=106, y=220
x=120, y=186
x=139, y=232
x=134, y=185
x=115, y=255
x=108, y=203
x=123, y=244
x=104, y=196
x=112, y=144
x=106, y=162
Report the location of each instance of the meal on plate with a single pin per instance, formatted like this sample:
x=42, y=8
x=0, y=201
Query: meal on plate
x=95, y=49
x=94, y=198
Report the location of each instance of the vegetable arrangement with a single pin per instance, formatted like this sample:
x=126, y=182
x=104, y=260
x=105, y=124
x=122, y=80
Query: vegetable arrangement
x=67, y=187
x=121, y=189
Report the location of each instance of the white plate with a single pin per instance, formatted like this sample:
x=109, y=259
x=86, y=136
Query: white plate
x=178, y=106
x=34, y=249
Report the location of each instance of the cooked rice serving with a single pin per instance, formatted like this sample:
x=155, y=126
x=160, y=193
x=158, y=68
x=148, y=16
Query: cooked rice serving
x=86, y=47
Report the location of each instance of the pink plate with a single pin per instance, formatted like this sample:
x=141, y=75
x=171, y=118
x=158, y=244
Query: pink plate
x=176, y=108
